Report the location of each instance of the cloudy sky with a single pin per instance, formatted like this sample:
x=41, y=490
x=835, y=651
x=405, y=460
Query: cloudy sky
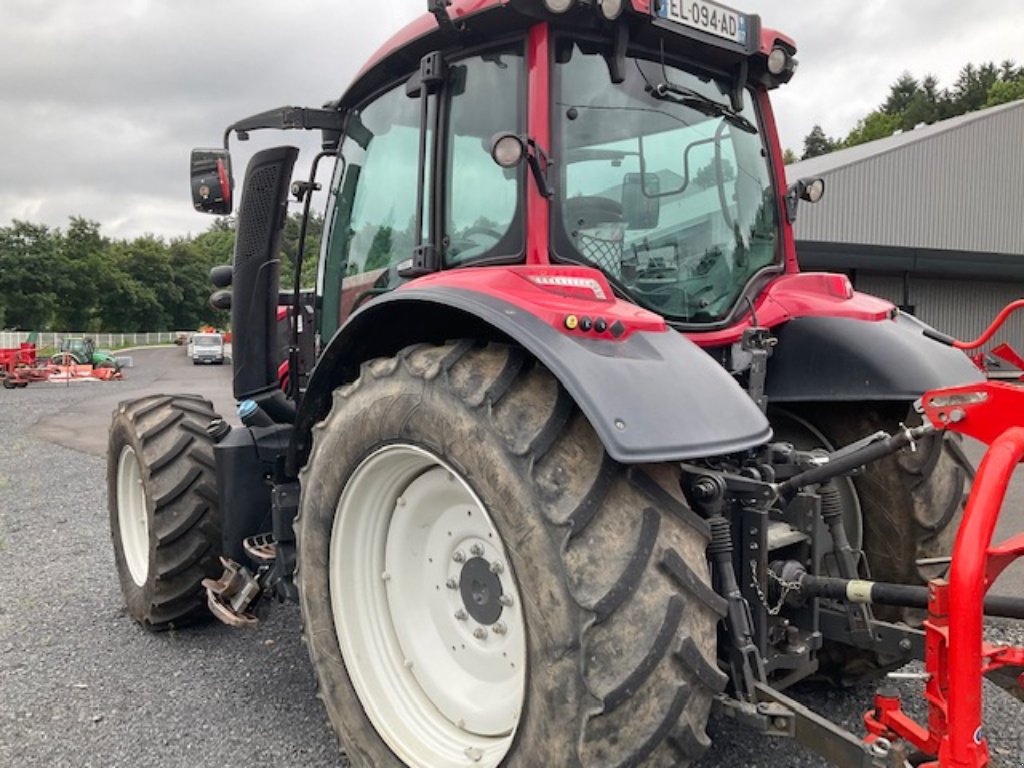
x=101, y=101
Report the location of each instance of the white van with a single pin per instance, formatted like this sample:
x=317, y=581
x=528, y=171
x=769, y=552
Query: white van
x=207, y=348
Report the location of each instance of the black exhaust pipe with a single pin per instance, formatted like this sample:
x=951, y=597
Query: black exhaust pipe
x=256, y=281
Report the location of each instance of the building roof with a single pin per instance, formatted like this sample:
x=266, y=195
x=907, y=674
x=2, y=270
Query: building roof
x=955, y=185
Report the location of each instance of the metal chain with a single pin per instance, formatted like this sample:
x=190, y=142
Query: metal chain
x=786, y=588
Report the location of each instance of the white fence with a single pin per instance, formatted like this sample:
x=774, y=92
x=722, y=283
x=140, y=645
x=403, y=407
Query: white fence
x=10, y=339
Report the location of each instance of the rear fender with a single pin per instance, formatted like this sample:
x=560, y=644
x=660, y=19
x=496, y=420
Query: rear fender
x=650, y=393
x=819, y=359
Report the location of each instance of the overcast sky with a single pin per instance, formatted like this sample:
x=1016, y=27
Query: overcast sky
x=100, y=102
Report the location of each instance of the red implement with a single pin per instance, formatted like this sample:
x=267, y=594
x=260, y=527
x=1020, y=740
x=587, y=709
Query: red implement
x=956, y=655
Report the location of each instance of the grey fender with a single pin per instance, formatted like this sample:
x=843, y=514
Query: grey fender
x=843, y=359
x=651, y=397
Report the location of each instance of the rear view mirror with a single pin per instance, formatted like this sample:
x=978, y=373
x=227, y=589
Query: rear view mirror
x=211, y=181
x=641, y=207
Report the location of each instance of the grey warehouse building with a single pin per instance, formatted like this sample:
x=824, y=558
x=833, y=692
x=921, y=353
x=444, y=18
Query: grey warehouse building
x=930, y=219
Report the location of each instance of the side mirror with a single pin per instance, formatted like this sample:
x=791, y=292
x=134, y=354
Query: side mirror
x=212, y=182
x=641, y=206
x=811, y=190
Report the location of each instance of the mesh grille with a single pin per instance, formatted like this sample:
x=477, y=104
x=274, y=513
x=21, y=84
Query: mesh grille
x=257, y=214
x=603, y=253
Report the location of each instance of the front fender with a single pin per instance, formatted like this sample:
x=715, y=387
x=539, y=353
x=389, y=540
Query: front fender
x=819, y=359
x=651, y=395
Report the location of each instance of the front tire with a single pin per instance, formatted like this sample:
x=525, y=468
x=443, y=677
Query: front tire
x=165, y=518
x=448, y=455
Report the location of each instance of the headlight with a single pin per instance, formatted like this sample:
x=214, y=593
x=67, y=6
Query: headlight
x=778, y=61
x=559, y=6
x=611, y=9
x=508, y=150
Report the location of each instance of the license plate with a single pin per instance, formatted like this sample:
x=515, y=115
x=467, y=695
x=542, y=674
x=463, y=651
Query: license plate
x=707, y=17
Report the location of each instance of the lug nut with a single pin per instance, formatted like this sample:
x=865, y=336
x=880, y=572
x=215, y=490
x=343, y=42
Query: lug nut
x=476, y=550
x=497, y=567
x=459, y=556
x=452, y=584
x=505, y=600
x=480, y=633
x=461, y=615
x=500, y=628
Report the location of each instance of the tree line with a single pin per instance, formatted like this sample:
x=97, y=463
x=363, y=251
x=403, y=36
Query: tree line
x=76, y=279
x=912, y=102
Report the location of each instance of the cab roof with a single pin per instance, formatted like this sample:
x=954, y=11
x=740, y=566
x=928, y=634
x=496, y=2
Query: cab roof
x=401, y=53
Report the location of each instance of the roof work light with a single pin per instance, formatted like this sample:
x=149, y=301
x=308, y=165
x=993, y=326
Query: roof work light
x=779, y=60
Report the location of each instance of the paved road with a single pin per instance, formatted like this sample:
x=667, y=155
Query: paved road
x=82, y=686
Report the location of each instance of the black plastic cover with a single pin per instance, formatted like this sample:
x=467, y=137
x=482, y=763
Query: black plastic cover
x=244, y=494
x=256, y=274
x=841, y=359
x=651, y=397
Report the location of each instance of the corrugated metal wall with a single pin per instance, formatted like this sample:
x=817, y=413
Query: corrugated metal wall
x=963, y=309
x=961, y=189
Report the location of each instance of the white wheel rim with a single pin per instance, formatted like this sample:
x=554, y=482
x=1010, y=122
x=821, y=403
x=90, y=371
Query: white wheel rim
x=132, y=519
x=442, y=680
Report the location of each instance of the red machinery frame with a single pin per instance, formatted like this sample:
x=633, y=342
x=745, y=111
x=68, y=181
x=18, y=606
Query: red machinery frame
x=956, y=655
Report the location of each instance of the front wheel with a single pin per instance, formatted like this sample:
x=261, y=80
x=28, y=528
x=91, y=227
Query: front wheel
x=165, y=518
x=481, y=585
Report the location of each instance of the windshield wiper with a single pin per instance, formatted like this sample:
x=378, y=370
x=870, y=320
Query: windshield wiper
x=679, y=94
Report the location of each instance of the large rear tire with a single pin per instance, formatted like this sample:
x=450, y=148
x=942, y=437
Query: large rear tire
x=165, y=518
x=450, y=477
x=910, y=505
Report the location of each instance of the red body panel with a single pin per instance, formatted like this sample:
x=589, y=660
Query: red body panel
x=423, y=25
x=807, y=294
x=551, y=304
x=539, y=121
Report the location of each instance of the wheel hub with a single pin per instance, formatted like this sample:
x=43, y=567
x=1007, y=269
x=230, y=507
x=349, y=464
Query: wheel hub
x=481, y=591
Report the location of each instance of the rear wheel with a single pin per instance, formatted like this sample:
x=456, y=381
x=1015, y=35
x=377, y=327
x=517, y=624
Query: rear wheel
x=907, y=505
x=164, y=515
x=481, y=585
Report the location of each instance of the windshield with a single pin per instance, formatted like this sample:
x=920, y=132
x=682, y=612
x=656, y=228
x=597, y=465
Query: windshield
x=666, y=189
x=207, y=341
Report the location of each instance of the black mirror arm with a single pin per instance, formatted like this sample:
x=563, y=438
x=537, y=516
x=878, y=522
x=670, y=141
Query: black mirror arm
x=330, y=121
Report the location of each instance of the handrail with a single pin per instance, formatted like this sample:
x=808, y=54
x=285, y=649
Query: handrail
x=1001, y=318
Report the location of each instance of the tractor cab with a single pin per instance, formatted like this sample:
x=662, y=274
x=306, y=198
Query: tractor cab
x=632, y=137
x=82, y=349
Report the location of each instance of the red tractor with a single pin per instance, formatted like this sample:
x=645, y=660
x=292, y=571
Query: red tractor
x=582, y=450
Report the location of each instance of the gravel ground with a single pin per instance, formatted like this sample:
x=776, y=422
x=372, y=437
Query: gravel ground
x=82, y=686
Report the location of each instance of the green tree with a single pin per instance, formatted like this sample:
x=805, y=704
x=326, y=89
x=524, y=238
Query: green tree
x=816, y=143
x=901, y=94
x=80, y=275
x=1005, y=91
x=381, y=248
x=28, y=253
x=970, y=91
x=789, y=157
x=876, y=125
